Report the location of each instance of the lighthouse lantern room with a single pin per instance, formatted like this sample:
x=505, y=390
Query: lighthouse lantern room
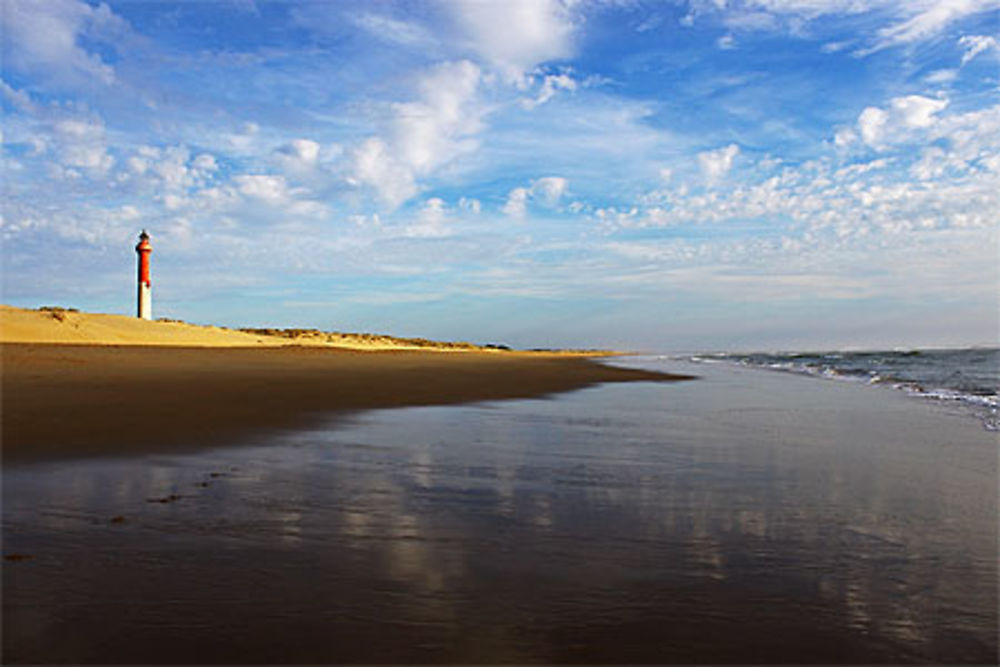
x=144, y=308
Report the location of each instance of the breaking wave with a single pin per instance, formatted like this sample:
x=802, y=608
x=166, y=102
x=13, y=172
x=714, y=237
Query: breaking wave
x=970, y=377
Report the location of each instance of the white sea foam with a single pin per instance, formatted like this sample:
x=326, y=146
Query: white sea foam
x=970, y=378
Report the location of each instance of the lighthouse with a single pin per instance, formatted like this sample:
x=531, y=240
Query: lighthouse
x=144, y=308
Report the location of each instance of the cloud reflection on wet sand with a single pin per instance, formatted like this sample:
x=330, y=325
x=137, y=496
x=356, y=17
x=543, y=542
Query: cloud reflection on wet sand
x=660, y=527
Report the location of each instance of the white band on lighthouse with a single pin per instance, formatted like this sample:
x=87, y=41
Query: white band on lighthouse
x=145, y=309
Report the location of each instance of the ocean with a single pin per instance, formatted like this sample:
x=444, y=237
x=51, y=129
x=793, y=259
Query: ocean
x=746, y=516
x=969, y=377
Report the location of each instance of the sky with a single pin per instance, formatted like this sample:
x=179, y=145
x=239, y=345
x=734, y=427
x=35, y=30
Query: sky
x=679, y=175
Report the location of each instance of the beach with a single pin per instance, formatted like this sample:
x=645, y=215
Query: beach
x=83, y=384
x=743, y=517
x=84, y=400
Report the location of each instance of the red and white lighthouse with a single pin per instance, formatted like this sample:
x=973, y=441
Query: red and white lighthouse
x=145, y=303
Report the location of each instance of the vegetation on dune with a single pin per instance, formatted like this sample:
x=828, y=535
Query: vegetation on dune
x=57, y=312
x=376, y=339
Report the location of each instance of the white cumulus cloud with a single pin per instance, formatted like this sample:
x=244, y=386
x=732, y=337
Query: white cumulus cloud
x=546, y=191
x=871, y=124
x=549, y=190
x=298, y=155
x=517, y=202
x=375, y=165
x=432, y=130
x=424, y=134
x=516, y=35
x=266, y=187
x=716, y=163
x=879, y=126
x=303, y=150
x=917, y=111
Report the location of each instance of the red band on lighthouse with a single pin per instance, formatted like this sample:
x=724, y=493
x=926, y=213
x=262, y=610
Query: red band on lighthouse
x=144, y=249
x=144, y=305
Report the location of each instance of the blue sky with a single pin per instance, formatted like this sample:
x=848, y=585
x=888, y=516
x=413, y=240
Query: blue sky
x=686, y=175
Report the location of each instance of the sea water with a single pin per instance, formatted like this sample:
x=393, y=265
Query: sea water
x=970, y=377
x=744, y=517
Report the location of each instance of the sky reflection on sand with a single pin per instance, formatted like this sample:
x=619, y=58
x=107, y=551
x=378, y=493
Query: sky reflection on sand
x=796, y=521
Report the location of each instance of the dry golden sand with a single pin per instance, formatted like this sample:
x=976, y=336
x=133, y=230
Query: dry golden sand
x=59, y=325
x=108, y=393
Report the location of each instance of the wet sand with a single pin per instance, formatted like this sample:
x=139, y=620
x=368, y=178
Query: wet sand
x=747, y=517
x=82, y=400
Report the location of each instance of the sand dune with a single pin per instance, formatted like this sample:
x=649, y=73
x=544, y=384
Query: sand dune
x=57, y=325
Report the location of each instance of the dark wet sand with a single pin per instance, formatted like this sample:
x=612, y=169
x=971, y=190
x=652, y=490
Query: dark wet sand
x=748, y=517
x=80, y=400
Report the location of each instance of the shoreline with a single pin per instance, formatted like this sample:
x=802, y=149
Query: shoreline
x=72, y=400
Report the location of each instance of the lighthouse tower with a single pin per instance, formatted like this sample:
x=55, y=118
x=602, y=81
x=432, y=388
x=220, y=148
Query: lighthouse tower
x=145, y=302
